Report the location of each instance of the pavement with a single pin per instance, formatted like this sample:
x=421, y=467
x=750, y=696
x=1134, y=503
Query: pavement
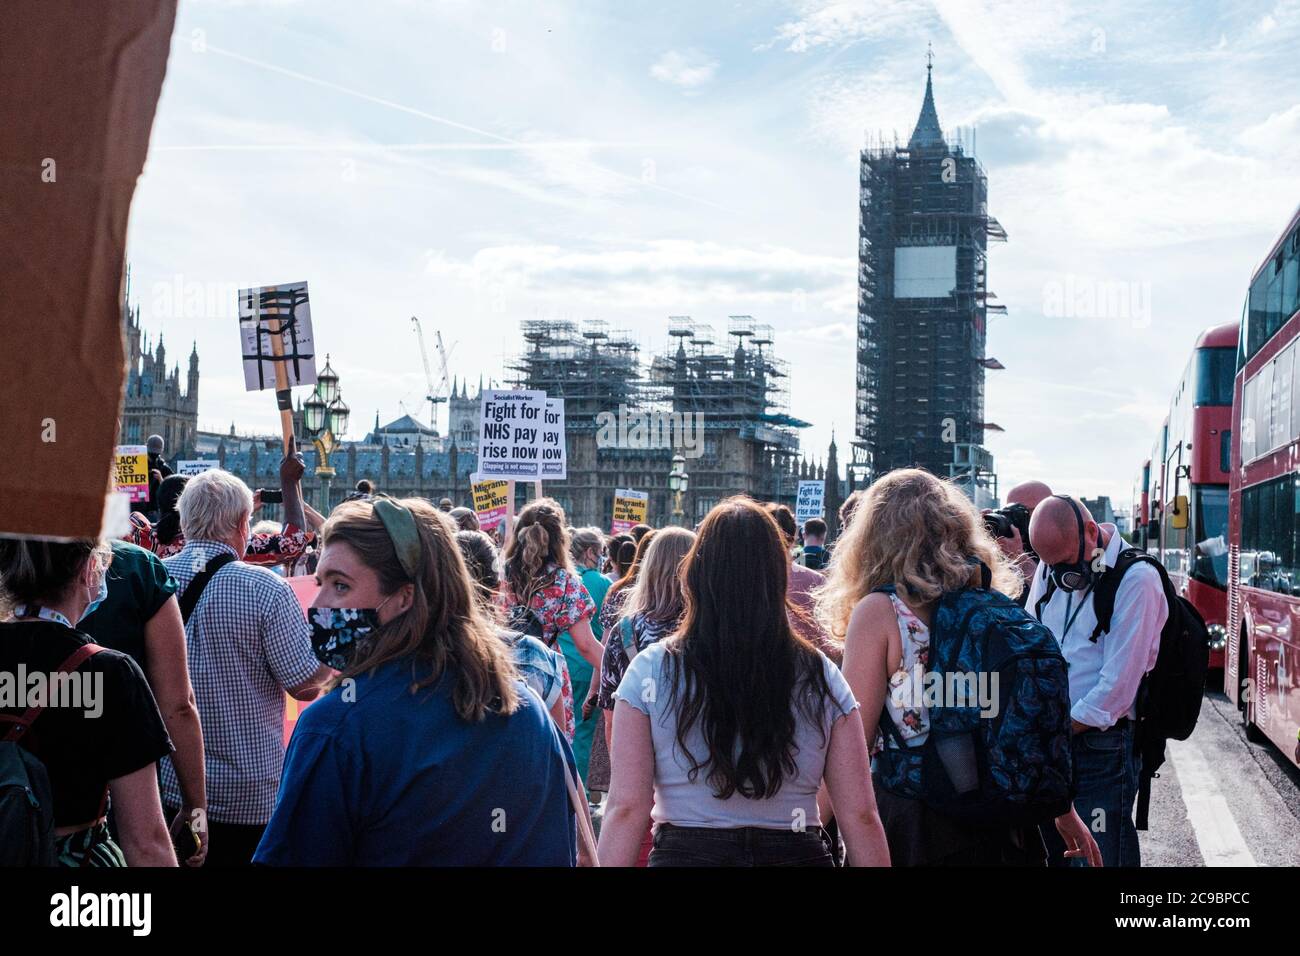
x=1223, y=801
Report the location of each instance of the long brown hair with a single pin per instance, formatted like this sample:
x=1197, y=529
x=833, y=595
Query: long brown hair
x=916, y=532
x=745, y=675
x=540, y=540
x=657, y=593
x=444, y=626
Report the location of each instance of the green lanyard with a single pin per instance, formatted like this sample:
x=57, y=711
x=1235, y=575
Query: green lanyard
x=1070, y=619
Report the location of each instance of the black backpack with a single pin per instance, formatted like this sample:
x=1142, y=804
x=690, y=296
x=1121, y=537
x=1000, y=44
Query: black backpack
x=26, y=802
x=1169, y=697
x=524, y=620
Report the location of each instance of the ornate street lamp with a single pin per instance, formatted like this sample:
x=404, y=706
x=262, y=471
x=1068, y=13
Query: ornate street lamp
x=678, y=482
x=327, y=383
x=325, y=415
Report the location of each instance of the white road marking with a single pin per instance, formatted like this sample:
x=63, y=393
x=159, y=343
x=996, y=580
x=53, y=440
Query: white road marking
x=1216, y=830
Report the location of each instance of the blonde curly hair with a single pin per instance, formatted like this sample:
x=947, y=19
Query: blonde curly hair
x=918, y=533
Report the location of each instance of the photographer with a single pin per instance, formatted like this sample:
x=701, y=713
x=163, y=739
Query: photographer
x=1010, y=528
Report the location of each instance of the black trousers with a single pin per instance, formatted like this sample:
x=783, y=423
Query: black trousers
x=741, y=846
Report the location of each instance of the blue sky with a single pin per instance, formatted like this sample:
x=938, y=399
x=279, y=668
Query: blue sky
x=476, y=164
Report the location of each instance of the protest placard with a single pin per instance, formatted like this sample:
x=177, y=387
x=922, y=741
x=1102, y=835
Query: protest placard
x=131, y=471
x=490, y=501
x=76, y=133
x=194, y=466
x=554, y=464
x=630, y=509
x=275, y=331
x=510, y=434
x=809, y=504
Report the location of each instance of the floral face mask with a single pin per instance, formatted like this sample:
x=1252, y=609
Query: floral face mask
x=336, y=632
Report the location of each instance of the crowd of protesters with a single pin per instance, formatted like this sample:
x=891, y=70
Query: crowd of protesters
x=716, y=696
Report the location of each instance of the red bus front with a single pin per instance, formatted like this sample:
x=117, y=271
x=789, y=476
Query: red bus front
x=1194, y=482
x=1263, y=651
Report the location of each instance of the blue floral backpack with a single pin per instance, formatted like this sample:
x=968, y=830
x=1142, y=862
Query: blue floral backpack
x=1007, y=763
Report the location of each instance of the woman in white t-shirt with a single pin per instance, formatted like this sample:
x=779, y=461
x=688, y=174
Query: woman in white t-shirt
x=727, y=728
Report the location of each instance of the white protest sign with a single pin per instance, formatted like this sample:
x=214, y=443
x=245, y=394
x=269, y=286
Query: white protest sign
x=809, y=503
x=510, y=434
x=275, y=332
x=554, y=451
x=194, y=466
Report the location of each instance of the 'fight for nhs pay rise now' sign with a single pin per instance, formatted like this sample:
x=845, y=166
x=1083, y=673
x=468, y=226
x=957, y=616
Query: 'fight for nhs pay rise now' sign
x=521, y=436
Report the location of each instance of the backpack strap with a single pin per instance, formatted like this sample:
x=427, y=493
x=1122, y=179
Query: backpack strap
x=24, y=723
x=1103, y=595
x=629, y=638
x=194, y=590
x=887, y=725
x=1046, y=596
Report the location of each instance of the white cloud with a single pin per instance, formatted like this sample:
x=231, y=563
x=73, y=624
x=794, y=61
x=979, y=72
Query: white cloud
x=688, y=68
x=845, y=21
x=663, y=272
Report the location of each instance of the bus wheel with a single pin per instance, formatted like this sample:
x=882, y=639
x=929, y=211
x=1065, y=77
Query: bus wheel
x=1246, y=697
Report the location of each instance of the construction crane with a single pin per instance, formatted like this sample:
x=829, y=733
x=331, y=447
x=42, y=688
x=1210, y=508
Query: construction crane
x=438, y=393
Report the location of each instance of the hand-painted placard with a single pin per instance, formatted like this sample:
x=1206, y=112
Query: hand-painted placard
x=275, y=331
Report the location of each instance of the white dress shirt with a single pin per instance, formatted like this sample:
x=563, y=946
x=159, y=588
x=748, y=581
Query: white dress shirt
x=1104, y=676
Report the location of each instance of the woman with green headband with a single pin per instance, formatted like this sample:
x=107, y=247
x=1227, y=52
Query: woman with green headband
x=427, y=751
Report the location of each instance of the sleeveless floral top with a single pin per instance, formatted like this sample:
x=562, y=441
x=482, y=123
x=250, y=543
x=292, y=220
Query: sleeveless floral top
x=904, y=702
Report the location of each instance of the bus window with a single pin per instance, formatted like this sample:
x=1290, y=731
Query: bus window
x=1214, y=373
x=1210, y=527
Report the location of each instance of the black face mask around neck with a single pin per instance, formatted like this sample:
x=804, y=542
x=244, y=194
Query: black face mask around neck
x=1076, y=575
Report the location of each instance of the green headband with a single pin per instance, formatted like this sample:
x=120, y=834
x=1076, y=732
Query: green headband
x=400, y=525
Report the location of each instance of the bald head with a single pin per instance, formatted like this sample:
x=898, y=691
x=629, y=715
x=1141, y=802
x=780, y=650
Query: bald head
x=1029, y=494
x=1054, y=530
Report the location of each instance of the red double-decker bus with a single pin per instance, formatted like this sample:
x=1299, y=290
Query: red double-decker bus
x=1263, y=652
x=1186, y=488
x=1141, y=506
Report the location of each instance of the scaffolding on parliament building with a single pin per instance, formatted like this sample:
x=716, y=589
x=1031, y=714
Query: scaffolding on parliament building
x=733, y=387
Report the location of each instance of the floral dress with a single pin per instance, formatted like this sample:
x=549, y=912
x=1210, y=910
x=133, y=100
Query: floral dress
x=612, y=609
x=562, y=603
x=907, y=683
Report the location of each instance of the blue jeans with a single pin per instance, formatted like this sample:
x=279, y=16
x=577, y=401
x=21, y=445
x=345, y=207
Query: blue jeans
x=741, y=846
x=1106, y=767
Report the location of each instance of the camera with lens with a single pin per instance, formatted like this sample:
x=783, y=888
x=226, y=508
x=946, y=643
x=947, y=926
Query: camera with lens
x=1004, y=521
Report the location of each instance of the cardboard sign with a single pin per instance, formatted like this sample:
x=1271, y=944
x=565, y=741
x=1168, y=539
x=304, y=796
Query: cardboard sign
x=510, y=434
x=490, y=500
x=554, y=450
x=809, y=504
x=131, y=471
x=630, y=509
x=74, y=143
x=275, y=330
x=194, y=466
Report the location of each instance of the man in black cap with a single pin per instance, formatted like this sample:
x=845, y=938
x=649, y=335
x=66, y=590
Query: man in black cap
x=158, y=470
